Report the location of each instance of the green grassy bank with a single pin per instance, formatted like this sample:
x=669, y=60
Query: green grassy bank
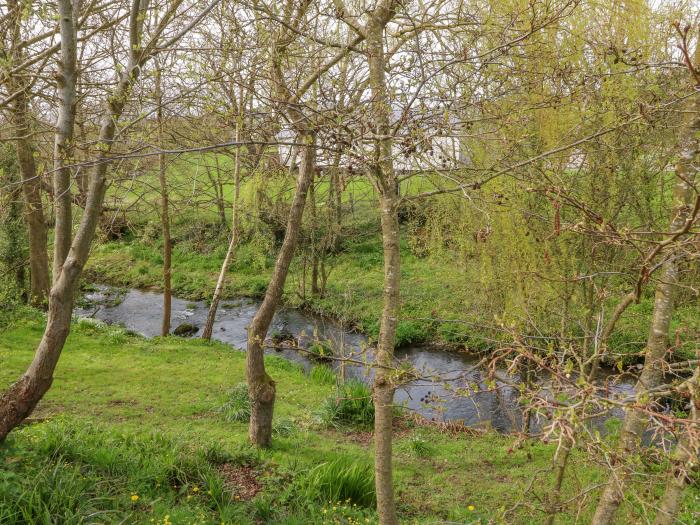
x=442, y=301
x=137, y=431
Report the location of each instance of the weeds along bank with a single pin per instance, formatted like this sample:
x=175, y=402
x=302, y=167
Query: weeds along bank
x=466, y=281
x=151, y=431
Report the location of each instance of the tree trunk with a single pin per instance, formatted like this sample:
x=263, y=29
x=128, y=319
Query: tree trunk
x=31, y=181
x=383, y=384
x=652, y=375
x=386, y=183
x=685, y=460
x=261, y=387
x=34, y=215
x=216, y=298
x=164, y=215
x=314, y=241
x=63, y=141
x=20, y=399
x=561, y=462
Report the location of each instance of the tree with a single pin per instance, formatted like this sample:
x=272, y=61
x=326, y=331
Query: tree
x=31, y=180
x=684, y=213
x=20, y=399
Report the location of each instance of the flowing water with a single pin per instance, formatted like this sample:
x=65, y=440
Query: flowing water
x=433, y=396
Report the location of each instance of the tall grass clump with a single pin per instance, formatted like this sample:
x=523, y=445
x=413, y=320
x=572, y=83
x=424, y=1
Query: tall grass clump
x=344, y=479
x=68, y=471
x=352, y=405
x=237, y=407
x=322, y=375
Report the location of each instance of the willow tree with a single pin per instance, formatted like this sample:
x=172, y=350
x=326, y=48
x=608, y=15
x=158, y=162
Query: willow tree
x=683, y=214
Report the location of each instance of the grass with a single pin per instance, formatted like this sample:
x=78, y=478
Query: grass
x=351, y=405
x=343, y=479
x=131, y=417
x=237, y=407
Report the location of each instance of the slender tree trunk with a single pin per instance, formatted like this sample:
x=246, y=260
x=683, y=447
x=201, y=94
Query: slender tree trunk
x=216, y=298
x=561, y=462
x=383, y=384
x=31, y=181
x=219, y=190
x=63, y=142
x=389, y=203
x=34, y=212
x=314, y=248
x=635, y=421
x=261, y=387
x=684, y=463
x=164, y=214
x=20, y=399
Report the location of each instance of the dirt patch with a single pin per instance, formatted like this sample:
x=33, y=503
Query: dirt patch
x=122, y=402
x=241, y=481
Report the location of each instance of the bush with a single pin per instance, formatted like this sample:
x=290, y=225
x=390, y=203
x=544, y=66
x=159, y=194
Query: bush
x=237, y=408
x=341, y=480
x=352, y=405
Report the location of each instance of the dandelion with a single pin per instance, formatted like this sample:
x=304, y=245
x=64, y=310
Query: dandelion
x=195, y=489
x=471, y=508
x=134, y=497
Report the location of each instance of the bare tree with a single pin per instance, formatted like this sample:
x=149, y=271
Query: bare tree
x=31, y=179
x=20, y=399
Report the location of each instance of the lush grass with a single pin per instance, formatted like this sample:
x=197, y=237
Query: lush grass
x=133, y=417
x=350, y=405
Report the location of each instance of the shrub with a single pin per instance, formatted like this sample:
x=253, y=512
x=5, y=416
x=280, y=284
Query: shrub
x=352, y=405
x=237, y=407
x=411, y=332
x=344, y=479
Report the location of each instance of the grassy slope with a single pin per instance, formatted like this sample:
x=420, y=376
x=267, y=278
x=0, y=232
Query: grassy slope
x=440, y=287
x=121, y=407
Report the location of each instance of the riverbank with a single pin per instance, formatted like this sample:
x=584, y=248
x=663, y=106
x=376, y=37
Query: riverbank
x=441, y=304
x=130, y=417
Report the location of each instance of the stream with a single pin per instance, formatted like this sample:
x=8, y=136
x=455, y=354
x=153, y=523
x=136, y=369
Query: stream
x=499, y=409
